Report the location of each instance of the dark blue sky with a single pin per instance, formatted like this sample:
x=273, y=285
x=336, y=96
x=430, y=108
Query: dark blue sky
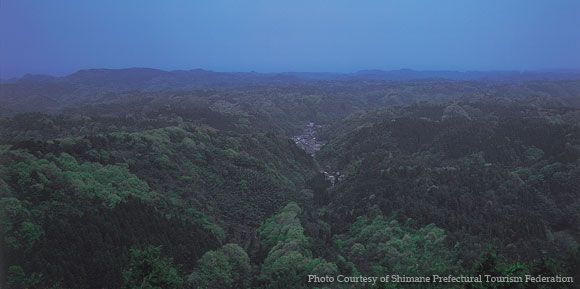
x=59, y=37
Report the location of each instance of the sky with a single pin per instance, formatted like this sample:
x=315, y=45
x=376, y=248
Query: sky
x=59, y=37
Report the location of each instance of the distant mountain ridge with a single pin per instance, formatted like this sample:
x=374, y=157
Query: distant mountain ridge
x=491, y=76
x=148, y=79
x=154, y=79
x=92, y=86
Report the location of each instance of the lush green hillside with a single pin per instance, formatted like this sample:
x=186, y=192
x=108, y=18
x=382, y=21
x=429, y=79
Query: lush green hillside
x=205, y=188
x=181, y=187
x=507, y=177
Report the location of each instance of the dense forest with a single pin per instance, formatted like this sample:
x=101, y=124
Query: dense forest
x=142, y=178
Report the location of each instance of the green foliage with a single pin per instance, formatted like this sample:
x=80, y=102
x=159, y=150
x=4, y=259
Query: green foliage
x=227, y=267
x=478, y=178
x=285, y=270
x=397, y=248
x=289, y=258
x=54, y=188
x=30, y=233
x=283, y=227
x=191, y=170
x=16, y=278
x=533, y=154
x=18, y=229
x=111, y=183
x=149, y=269
x=494, y=264
x=244, y=185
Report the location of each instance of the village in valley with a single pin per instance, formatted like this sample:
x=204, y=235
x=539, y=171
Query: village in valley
x=308, y=142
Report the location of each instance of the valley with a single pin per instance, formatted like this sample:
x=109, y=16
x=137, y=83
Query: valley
x=217, y=180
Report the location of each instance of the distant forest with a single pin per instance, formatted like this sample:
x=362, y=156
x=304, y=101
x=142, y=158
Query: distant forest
x=143, y=178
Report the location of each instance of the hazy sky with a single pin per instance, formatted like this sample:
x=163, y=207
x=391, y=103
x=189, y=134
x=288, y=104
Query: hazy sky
x=59, y=37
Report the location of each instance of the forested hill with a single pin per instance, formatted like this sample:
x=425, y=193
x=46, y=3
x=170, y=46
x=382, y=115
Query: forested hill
x=273, y=102
x=73, y=207
x=47, y=93
x=133, y=179
x=477, y=169
x=154, y=79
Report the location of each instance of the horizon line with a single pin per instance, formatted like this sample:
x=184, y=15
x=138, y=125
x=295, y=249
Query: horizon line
x=521, y=71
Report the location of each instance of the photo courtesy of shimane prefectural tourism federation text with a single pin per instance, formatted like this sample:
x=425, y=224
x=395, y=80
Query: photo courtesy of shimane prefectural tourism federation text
x=290, y=144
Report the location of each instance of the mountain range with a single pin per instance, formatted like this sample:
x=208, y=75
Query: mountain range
x=154, y=79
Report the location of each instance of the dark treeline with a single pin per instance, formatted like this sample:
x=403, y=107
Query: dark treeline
x=204, y=187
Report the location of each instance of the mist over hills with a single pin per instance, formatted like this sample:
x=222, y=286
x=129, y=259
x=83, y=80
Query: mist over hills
x=213, y=173
x=290, y=144
x=47, y=93
x=155, y=79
